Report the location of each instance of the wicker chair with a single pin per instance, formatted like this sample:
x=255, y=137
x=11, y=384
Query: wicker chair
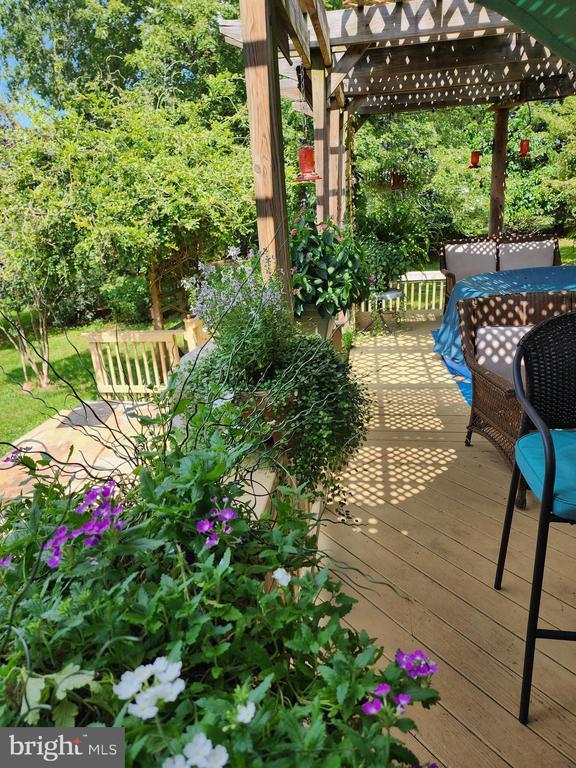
x=490, y=329
x=475, y=255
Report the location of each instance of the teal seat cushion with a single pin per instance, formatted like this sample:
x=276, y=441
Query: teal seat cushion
x=530, y=459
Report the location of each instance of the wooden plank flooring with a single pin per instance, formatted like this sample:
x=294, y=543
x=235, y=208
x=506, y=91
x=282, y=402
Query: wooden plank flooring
x=417, y=547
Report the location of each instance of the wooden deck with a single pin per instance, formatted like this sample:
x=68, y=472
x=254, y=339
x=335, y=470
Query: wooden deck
x=418, y=549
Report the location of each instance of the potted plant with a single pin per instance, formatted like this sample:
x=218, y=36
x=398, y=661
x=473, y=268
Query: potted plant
x=329, y=273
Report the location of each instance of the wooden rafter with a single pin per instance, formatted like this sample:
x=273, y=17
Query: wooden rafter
x=503, y=49
x=450, y=78
x=317, y=15
x=296, y=27
x=530, y=89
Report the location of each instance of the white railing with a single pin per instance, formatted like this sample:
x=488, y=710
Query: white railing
x=420, y=291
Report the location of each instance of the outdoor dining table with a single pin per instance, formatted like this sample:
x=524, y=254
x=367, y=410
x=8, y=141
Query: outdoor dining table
x=534, y=280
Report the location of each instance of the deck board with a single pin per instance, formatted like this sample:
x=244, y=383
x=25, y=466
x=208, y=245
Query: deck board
x=416, y=543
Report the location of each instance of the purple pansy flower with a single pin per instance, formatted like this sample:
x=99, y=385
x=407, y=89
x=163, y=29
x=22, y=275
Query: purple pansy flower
x=401, y=701
x=6, y=562
x=204, y=526
x=372, y=707
x=228, y=514
x=415, y=664
x=211, y=541
x=382, y=690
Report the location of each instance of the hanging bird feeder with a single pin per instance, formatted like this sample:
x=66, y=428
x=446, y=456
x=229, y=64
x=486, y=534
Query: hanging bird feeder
x=524, y=147
x=306, y=166
x=306, y=163
x=474, y=159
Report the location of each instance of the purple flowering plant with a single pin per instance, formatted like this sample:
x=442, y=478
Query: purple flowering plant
x=102, y=505
x=247, y=316
x=406, y=681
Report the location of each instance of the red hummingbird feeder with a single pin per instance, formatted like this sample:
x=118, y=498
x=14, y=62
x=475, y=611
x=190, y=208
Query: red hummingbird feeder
x=524, y=147
x=474, y=159
x=306, y=166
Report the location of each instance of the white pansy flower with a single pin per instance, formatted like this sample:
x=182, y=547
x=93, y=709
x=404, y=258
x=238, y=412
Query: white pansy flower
x=160, y=664
x=169, y=691
x=143, y=708
x=245, y=712
x=198, y=750
x=170, y=673
x=282, y=577
x=175, y=762
x=217, y=758
x=128, y=686
x=144, y=672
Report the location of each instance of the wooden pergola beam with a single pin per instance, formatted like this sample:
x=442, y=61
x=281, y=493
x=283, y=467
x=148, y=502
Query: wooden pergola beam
x=415, y=21
x=297, y=28
x=317, y=15
x=342, y=68
x=498, y=182
x=531, y=89
x=321, y=135
x=501, y=49
x=452, y=78
x=424, y=20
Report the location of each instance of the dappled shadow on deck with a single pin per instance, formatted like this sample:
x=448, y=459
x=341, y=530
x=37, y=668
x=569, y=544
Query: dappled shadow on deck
x=416, y=542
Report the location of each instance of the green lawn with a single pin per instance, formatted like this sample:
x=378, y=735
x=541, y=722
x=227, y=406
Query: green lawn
x=22, y=411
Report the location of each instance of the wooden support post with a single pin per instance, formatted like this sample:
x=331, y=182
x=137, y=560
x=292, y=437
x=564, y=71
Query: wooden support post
x=155, y=297
x=335, y=121
x=321, y=139
x=342, y=170
x=499, y=157
x=263, y=97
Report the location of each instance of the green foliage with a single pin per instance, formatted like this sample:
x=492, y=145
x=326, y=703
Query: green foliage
x=443, y=197
x=254, y=619
x=127, y=298
x=58, y=48
x=115, y=184
x=325, y=414
x=328, y=265
x=314, y=409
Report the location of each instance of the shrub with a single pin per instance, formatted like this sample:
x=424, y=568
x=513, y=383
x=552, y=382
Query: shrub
x=128, y=298
x=315, y=410
x=328, y=266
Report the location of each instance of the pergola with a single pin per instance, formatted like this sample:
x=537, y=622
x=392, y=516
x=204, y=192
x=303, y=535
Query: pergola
x=385, y=58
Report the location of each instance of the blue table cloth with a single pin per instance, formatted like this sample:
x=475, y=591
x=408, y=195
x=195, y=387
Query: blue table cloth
x=534, y=280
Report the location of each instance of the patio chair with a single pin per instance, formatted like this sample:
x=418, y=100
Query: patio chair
x=475, y=255
x=490, y=329
x=545, y=456
x=465, y=257
x=524, y=251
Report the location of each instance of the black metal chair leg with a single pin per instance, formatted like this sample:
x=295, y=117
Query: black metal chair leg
x=533, y=612
x=521, y=496
x=507, y=526
x=468, y=440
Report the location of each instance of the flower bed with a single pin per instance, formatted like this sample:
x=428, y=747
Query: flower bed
x=160, y=602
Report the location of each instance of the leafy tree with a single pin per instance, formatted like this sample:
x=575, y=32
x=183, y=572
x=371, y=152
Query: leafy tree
x=123, y=184
x=55, y=48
